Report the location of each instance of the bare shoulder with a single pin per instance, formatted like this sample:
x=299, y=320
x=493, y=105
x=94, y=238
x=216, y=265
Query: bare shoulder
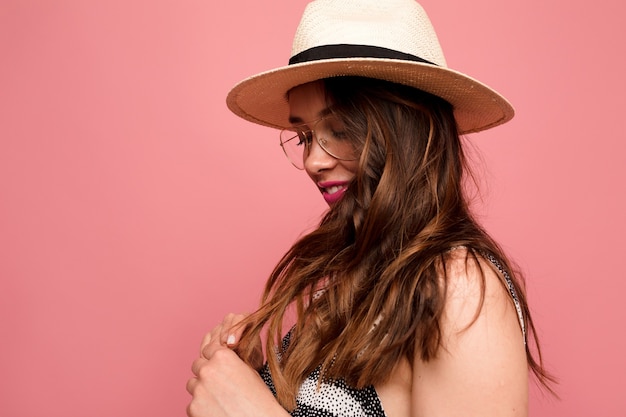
x=473, y=285
x=481, y=367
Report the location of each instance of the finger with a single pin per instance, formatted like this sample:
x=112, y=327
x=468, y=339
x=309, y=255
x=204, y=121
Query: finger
x=226, y=337
x=231, y=332
x=212, y=348
x=197, y=365
x=191, y=385
x=205, y=341
x=212, y=335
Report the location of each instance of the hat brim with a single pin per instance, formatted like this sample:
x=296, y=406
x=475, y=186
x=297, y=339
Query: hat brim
x=262, y=98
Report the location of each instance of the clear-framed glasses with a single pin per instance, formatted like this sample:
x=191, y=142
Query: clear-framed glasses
x=329, y=133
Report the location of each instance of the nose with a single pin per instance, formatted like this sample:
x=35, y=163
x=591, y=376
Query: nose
x=317, y=159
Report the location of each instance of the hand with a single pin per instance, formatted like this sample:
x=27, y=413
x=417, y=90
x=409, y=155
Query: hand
x=223, y=385
x=229, y=334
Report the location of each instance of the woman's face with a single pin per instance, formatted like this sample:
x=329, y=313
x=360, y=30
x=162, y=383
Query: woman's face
x=307, y=104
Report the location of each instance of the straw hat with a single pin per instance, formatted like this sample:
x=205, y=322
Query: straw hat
x=391, y=40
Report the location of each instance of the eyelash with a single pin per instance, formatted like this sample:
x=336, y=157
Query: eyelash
x=307, y=135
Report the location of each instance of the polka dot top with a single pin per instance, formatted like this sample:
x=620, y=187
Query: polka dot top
x=337, y=399
x=331, y=399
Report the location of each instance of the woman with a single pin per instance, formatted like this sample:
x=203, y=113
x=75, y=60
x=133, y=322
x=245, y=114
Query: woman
x=403, y=305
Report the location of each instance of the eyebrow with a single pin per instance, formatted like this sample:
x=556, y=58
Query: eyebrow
x=298, y=120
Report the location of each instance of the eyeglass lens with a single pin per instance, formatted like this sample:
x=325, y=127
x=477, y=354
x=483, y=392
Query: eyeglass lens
x=329, y=133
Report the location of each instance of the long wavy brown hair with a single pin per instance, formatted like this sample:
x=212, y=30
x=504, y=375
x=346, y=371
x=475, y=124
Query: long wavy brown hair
x=375, y=259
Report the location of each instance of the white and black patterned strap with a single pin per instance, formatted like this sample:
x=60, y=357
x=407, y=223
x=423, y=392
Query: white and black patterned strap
x=511, y=289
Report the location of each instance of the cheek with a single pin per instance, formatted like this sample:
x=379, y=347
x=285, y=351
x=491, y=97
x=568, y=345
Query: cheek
x=351, y=166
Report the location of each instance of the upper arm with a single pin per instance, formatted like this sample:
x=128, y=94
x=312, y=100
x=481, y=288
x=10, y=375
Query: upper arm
x=480, y=368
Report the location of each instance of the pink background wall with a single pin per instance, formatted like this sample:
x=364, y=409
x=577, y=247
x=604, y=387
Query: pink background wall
x=135, y=210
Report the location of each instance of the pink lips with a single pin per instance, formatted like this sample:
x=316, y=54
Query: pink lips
x=332, y=191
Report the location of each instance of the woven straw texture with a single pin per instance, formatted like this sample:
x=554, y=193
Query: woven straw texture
x=400, y=25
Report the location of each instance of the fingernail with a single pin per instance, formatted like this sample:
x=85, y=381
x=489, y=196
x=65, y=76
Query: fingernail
x=230, y=340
